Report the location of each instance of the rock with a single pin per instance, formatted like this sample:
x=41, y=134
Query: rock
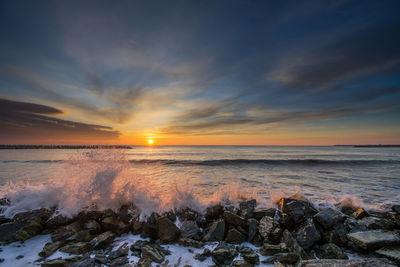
x=93, y=226
x=396, y=208
x=292, y=245
x=376, y=223
x=81, y=236
x=289, y=258
x=330, y=251
x=187, y=242
x=114, y=225
x=149, y=228
x=99, y=258
x=65, y=232
x=287, y=221
x=267, y=226
x=223, y=254
x=253, y=227
x=307, y=235
x=76, y=248
x=19, y=257
x=389, y=253
x=299, y=210
x=167, y=230
x=241, y=263
x=214, y=212
x=4, y=220
x=360, y=213
x=144, y=262
x=190, y=229
x=137, y=246
x=119, y=261
x=244, y=249
x=259, y=214
x=50, y=248
x=374, y=239
x=61, y=262
x=252, y=258
x=329, y=217
x=369, y=262
x=234, y=219
x=33, y=223
x=57, y=221
x=246, y=208
x=84, y=262
x=270, y=249
x=103, y=240
x=149, y=251
x=8, y=230
x=215, y=232
x=203, y=256
x=352, y=225
x=235, y=237
x=338, y=235
x=137, y=227
x=122, y=251
x=188, y=214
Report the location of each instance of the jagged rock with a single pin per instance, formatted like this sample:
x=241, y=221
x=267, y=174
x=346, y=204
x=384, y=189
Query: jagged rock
x=253, y=227
x=136, y=226
x=81, y=236
x=369, y=262
x=338, y=235
x=252, y=258
x=122, y=251
x=396, y=208
x=8, y=230
x=234, y=236
x=266, y=226
x=76, y=248
x=187, y=242
x=330, y=251
x=286, y=221
x=33, y=223
x=190, y=229
x=259, y=214
x=127, y=212
x=151, y=252
x=119, y=261
x=65, y=232
x=57, y=221
x=103, y=240
x=234, y=219
x=307, y=235
x=144, y=262
x=241, y=263
x=84, y=262
x=352, y=225
x=376, y=223
x=61, y=262
x=28, y=216
x=167, y=230
x=50, y=248
x=360, y=213
x=114, y=225
x=215, y=232
x=374, y=239
x=299, y=210
x=214, y=212
x=4, y=220
x=188, y=214
x=99, y=258
x=93, y=226
x=137, y=246
x=149, y=228
x=292, y=245
x=389, y=253
x=270, y=249
x=203, y=256
x=223, y=254
x=329, y=217
x=244, y=249
x=289, y=258
x=93, y=215
x=246, y=208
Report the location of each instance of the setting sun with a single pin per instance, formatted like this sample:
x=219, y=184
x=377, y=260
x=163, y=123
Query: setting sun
x=150, y=141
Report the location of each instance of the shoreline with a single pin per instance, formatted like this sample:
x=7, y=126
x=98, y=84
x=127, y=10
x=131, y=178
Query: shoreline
x=294, y=233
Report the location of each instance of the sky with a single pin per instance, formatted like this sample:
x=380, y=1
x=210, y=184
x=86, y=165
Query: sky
x=200, y=72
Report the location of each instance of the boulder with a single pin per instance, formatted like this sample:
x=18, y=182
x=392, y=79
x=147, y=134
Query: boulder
x=65, y=232
x=214, y=212
x=253, y=227
x=369, y=262
x=241, y=263
x=292, y=245
x=252, y=258
x=93, y=226
x=352, y=225
x=190, y=229
x=103, y=240
x=330, y=251
x=61, y=262
x=144, y=262
x=84, y=262
x=338, y=235
x=167, y=230
x=246, y=208
x=287, y=221
x=188, y=214
x=374, y=239
x=57, y=221
x=235, y=237
x=329, y=217
x=187, y=242
x=50, y=248
x=270, y=249
x=81, y=236
x=259, y=214
x=8, y=230
x=234, y=219
x=76, y=248
x=307, y=235
x=203, y=256
x=396, y=208
x=152, y=252
x=115, y=225
x=224, y=254
x=149, y=228
x=287, y=258
x=215, y=232
x=375, y=223
x=122, y=251
x=298, y=210
x=266, y=226
x=121, y=261
x=392, y=254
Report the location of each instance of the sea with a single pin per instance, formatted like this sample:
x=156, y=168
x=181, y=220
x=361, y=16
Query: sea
x=158, y=178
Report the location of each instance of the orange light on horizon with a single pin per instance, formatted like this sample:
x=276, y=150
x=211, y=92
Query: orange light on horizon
x=150, y=142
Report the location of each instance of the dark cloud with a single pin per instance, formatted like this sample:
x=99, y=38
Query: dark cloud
x=21, y=121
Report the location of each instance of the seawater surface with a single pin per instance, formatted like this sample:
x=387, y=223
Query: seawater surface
x=162, y=177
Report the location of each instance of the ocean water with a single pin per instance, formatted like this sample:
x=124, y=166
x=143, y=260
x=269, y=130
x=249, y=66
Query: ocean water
x=163, y=177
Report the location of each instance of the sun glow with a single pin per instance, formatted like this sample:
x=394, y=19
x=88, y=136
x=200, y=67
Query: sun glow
x=150, y=141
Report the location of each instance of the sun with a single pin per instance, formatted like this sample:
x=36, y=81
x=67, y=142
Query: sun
x=150, y=141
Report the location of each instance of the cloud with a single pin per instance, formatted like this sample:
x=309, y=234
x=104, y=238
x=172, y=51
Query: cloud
x=21, y=121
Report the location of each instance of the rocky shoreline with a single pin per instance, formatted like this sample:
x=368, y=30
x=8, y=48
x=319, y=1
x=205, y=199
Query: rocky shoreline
x=295, y=233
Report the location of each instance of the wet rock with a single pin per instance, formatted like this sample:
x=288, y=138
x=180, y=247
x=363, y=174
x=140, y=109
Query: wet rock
x=190, y=229
x=252, y=258
x=76, y=248
x=241, y=263
x=246, y=208
x=329, y=217
x=93, y=226
x=93, y=215
x=244, y=249
x=352, y=225
x=289, y=258
x=392, y=254
x=286, y=221
x=103, y=240
x=307, y=235
x=151, y=252
x=19, y=257
x=374, y=239
x=369, y=262
x=33, y=223
x=259, y=214
x=84, y=262
x=119, y=261
x=167, y=230
x=215, y=232
x=144, y=262
x=137, y=246
x=253, y=228
x=330, y=251
x=214, y=212
x=360, y=213
x=8, y=230
x=65, y=232
x=396, y=208
x=187, y=242
x=266, y=226
x=114, y=225
x=234, y=219
x=298, y=210
x=292, y=245
x=28, y=216
x=234, y=236
x=4, y=220
x=149, y=228
x=270, y=249
x=203, y=256
x=188, y=214
x=223, y=254
x=81, y=236
x=127, y=212
x=338, y=235
x=57, y=221
x=376, y=223
x=61, y=262
x=50, y=248
x=122, y=251
x=99, y=258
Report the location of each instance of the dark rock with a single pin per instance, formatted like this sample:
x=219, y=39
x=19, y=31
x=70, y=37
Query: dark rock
x=246, y=208
x=292, y=245
x=28, y=216
x=360, y=213
x=389, y=253
x=244, y=249
x=4, y=220
x=92, y=215
x=338, y=235
x=299, y=210
x=259, y=214
x=374, y=239
x=369, y=262
x=267, y=226
x=93, y=226
x=270, y=249
x=215, y=232
x=234, y=219
x=223, y=254
x=33, y=223
x=103, y=240
x=167, y=230
x=61, y=262
x=396, y=208
x=187, y=242
x=99, y=258
x=252, y=258
x=253, y=227
x=235, y=237
x=8, y=230
x=119, y=261
x=50, y=248
x=241, y=263
x=127, y=212
x=149, y=228
x=214, y=212
x=76, y=248
x=151, y=252
x=188, y=214
x=65, y=232
x=329, y=217
x=57, y=221
x=19, y=257
x=84, y=262
x=189, y=229
x=330, y=251
x=352, y=225
x=144, y=262
x=307, y=235
x=203, y=256
x=114, y=225
x=122, y=251
x=287, y=221
x=81, y=236
x=137, y=246
x=289, y=258
x=376, y=223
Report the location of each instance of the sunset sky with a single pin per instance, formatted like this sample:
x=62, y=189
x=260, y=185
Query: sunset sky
x=200, y=72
